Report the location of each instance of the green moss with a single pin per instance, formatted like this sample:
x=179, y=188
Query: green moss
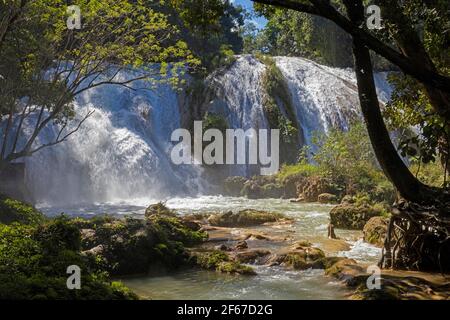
x=177, y=231
x=159, y=209
x=214, y=121
x=212, y=260
x=277, y=97
x=243, y=218
x=220, y=261
x=235, y=268
x=16, y=211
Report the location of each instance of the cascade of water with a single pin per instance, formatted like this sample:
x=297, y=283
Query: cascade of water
x=120, y=152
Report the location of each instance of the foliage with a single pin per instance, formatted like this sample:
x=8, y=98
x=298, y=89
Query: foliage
x=291, y=33
x=409, y=108
x=44, y=65
x=302, y=169
x=431, y=174
x=348, y=158
x=34, y=259
x=411, y=105
x=214, y=121
x=16, y=211
x=211, y=28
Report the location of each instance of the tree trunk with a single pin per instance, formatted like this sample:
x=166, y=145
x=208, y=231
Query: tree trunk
x=393, y=166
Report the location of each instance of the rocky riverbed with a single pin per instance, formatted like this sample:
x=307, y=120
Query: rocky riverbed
x=236, y=248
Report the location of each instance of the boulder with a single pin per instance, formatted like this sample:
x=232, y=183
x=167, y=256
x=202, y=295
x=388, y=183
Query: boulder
x=131, y=246
x=252, y=190
x=375, y=230
x=352, y=217
x=291, y=185
x=159, y=209
x=241, y=245
x=299, y=257
x=327, y=198
x=244, y=218
x=221, y=262
x=233, y=267
x=222, y=247
x=312, y=187
x=252, y=256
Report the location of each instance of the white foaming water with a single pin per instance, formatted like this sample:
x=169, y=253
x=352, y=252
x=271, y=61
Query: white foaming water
x=324, y=97
x=361, y=251
x=122, y=152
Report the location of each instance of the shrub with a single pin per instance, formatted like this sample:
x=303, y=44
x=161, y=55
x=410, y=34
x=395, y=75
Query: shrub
x=16, y=211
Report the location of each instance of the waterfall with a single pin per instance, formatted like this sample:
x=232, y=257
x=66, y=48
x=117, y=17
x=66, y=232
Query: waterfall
x=123, y=150
x=120, y=152
x=322, y=97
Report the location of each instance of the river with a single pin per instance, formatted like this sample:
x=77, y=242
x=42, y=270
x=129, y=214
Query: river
x=310, y=223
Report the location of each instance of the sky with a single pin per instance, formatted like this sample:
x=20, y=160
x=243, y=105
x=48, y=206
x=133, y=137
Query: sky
x=247, y=4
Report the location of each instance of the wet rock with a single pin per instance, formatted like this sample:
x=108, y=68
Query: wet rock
x=299, y=258
x=159, y=209
x=327, y=198
x=252, y=256
x=222, y=247
x=244, y=218
x=298, y=200
x=342, y=268
x=257, y=236
x=132, y=246
x=312, y=187
x=302, y=244
x=241, y=245
x=221, y=262
x=192, y=225
x=235, y=268
x=352, y=217
x=375, y=230
x=291, y=185
x=197, y=217
x=252, y=190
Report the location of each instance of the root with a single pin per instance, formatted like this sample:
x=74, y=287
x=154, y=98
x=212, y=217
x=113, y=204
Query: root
x=418, y=238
